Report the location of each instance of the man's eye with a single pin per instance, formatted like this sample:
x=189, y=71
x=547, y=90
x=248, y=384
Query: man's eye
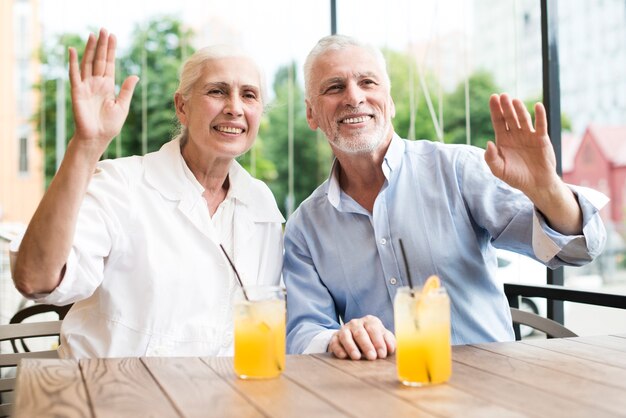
x=333, y=88
x=250, y=95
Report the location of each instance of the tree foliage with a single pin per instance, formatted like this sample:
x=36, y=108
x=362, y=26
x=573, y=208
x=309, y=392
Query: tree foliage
x=481, y=87
x=311, y=154
x=404, y=85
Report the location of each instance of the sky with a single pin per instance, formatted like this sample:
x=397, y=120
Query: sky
x=273, y=31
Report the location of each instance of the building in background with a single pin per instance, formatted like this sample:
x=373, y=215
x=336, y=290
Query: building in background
x=598, y=160
x=21, y=170
x=592, y=55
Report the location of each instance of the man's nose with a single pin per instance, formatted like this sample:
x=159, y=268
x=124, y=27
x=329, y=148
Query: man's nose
x=355, y=96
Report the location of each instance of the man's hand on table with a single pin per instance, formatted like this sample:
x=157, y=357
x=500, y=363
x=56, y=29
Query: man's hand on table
x=363, y=337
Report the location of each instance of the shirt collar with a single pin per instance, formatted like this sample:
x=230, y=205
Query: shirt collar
x=392, y=160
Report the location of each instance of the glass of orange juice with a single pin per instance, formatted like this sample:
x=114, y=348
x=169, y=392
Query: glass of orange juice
x=260, y=332
x=422, y=325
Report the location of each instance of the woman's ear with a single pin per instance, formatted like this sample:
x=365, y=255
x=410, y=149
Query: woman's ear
x=179, y=105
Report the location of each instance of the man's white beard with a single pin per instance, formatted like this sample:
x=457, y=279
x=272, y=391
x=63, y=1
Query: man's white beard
x=360, y=143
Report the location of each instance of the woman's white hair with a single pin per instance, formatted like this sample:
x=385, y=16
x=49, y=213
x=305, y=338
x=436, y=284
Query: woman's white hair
x=338, y=43
x=192, y=71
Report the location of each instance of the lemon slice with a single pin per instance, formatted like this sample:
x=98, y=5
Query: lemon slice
x=432, y=283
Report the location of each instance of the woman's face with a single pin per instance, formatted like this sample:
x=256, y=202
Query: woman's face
x=223, y=112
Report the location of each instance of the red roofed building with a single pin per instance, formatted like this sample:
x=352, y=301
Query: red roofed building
x=598, y=160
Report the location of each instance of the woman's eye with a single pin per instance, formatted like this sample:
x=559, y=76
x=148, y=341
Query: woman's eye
x=215, y=92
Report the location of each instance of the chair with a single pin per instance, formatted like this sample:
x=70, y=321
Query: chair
x=552, y=328
x=12, y=332
x=549, y=327
x=30, y=311
x=17, y=330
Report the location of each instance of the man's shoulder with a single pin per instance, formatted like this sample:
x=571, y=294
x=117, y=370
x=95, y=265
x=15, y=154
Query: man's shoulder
x=310, y=207
x=425, y=146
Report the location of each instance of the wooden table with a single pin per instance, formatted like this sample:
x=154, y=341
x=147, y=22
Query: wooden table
x=572, y=377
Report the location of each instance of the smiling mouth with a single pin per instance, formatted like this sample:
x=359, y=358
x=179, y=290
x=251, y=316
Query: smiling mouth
x=355, y=120
x=229, y=129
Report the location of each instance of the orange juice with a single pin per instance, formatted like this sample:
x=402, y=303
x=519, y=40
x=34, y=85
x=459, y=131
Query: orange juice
x=422, y=323
x=260, y=337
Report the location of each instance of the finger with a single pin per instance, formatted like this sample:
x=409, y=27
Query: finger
x=494, y=160
x=541, y=120
x=497, y=118
x=525, y=121
x=345, y=339
x=509, y=112
x=362, y=339
x=390, y=340
x=86, y=64
x=126, y=92
x=74, y=69
x=109, y=69
x=376, y=335
x=99, y=62
x=335, y=347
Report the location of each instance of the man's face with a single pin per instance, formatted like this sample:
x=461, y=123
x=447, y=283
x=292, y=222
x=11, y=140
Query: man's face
x=350, y=101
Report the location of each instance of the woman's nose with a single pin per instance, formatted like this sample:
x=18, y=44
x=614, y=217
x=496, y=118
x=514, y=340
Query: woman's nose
x=234, y=106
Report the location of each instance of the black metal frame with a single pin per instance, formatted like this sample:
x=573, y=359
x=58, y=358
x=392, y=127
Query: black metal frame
x=559, y=293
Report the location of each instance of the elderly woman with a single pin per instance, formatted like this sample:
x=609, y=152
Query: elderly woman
x=136, y=243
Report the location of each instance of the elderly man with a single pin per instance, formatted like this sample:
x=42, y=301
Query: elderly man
x=343, y=264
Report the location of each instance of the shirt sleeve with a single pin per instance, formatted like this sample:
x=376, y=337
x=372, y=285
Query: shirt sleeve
x=552, y=247
x=106, y=200
x=311, y=310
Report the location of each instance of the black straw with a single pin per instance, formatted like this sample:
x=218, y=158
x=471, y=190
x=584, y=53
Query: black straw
x=406, y=265
x=245, y=295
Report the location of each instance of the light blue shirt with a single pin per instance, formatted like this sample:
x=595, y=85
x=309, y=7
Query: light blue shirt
x=342, y=262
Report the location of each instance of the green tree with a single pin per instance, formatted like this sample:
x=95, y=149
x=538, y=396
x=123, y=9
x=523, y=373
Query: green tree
x=312, y=155
x=481, y=87
x=404, y=79
x=156, y=54
x=54, y=60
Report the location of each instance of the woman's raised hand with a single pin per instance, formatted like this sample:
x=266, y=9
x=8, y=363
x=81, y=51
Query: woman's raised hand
x=98, y=113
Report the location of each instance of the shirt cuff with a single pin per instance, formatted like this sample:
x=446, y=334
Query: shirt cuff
x=544, y=247
x=319, y=343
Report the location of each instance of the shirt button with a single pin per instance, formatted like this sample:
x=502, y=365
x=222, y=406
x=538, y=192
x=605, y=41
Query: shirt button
x=393, y=280
x=383, y=241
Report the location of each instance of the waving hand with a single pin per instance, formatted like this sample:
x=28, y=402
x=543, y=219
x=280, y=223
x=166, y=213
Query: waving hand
x=98, y=113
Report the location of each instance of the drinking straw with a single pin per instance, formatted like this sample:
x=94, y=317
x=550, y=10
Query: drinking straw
x=245, y=295
x=406, y=265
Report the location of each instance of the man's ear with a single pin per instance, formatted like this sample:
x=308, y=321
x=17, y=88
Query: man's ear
x=310, y=117
x=179, y=105
x=393, y=108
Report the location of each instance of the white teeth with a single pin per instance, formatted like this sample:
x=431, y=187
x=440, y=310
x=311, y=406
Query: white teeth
x=360, y=119
x=229, y=129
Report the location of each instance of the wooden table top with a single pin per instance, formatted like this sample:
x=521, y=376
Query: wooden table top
x=569, y=377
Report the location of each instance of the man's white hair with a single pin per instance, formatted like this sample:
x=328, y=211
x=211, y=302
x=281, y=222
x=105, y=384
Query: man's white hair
x=337, y=43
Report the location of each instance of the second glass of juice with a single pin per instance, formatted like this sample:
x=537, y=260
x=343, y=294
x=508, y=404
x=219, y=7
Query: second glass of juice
x=422, y=325
x=260, y=333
